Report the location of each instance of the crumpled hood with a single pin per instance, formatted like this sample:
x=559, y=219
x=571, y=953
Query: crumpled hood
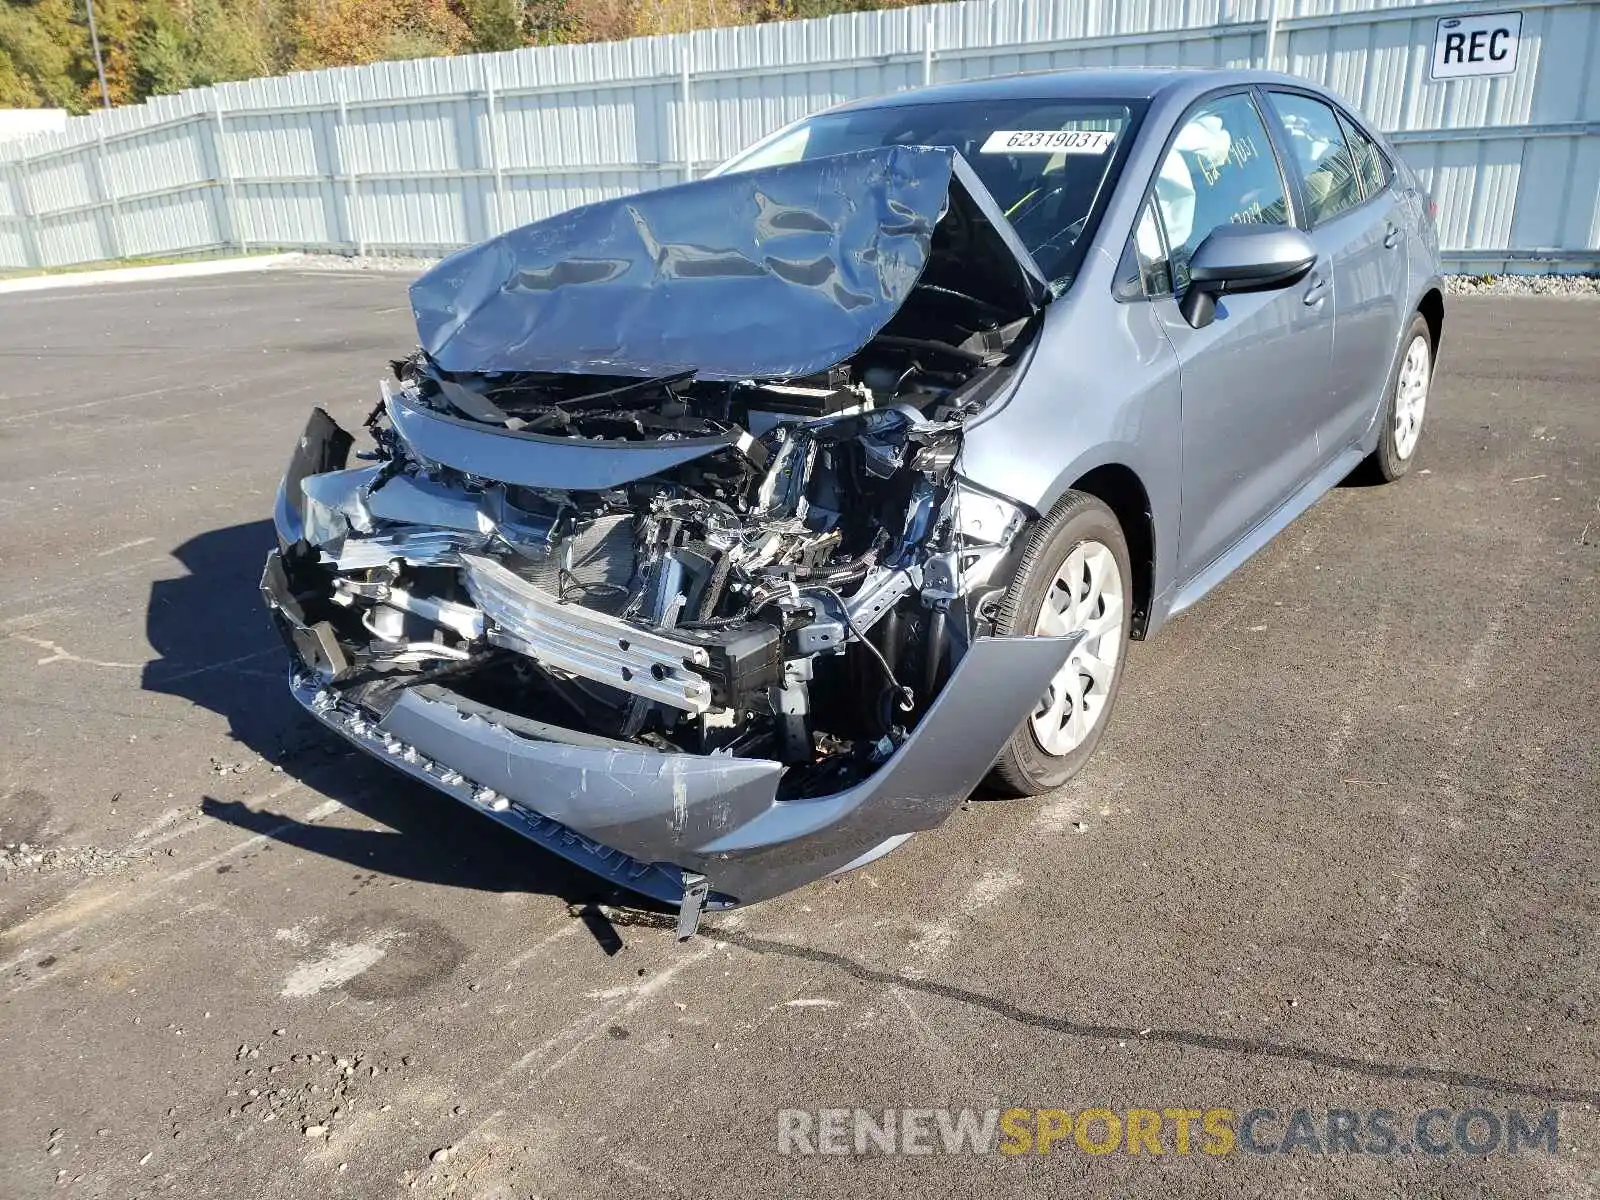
x=776, y=273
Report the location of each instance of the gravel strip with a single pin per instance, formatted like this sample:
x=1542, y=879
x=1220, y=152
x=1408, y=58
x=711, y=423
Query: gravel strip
x=395, y=264
x=1574, y=286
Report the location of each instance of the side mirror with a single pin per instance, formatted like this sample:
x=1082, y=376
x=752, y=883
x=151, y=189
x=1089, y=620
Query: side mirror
x=1243, y=258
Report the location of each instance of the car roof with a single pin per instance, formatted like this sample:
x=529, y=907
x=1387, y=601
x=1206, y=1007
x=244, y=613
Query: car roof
x=1084, y=83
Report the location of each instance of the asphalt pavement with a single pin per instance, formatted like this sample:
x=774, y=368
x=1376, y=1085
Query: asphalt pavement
x=1337, y=850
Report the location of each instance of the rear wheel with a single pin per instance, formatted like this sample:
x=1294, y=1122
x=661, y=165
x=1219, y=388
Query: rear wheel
x=1074, y=577
x=1406, y=405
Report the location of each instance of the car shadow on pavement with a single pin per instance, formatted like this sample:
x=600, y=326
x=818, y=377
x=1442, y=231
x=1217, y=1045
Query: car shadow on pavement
x=218, y=649
x=217, y=646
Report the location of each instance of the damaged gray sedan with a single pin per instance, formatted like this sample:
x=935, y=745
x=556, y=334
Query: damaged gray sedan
x=722, y=537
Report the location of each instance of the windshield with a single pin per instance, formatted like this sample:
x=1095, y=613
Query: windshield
x=1047, y=163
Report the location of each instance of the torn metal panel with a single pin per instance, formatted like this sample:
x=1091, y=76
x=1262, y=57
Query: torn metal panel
x=540, y=461
x=335, y=503
x=801, y=265
x=926, y=778
x=412, y=500
x=322, y=447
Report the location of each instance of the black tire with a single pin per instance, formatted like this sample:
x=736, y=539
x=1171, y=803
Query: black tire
x=1386, y=464
x=1024, y=768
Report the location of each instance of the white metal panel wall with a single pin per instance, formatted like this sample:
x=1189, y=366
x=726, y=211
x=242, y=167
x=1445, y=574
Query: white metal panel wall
x=166, y=223
x=1512, y=160
x=287, y=144
x=304, y=213
x=13, y=243
x=426, y=155
x=63, y=181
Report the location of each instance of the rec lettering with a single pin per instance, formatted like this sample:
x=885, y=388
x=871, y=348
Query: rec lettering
x=1481, y=45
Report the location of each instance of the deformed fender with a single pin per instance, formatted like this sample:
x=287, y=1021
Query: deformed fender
x=993, y=689
x=322, y=447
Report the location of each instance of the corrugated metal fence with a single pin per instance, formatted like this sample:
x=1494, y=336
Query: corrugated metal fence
x=424, y=156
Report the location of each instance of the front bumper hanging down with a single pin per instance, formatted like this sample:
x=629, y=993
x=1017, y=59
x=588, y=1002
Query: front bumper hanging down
x=654, y=821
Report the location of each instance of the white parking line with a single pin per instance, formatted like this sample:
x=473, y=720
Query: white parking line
x=118, y=549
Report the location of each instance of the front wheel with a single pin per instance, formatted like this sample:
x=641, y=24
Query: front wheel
x=1074, y=577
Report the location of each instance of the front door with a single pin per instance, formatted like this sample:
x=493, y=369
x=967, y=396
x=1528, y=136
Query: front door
x=1254, y=380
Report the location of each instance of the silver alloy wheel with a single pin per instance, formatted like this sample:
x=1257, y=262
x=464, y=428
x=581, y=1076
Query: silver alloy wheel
x=1411, y=396
x=1087, y=594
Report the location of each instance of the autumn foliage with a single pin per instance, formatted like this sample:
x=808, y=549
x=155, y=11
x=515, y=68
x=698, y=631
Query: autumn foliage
x=154, y=47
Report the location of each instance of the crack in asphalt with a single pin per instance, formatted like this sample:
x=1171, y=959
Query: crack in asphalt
x=1188, y=1038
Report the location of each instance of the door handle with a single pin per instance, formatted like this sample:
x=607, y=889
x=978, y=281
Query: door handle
x=1391, y=239
x=1317, y=292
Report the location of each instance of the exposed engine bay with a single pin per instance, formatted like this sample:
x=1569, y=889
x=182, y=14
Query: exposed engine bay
x=662, y=527
x=786, y=593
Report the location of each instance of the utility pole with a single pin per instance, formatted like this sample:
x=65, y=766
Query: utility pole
x=99, y=65
x=1272, y=34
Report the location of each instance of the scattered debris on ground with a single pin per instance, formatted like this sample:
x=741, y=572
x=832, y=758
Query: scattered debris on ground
x=310, y=1092
x=17, y=858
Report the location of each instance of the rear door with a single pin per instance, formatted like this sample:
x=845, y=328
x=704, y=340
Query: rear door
x=1355, y=221
x=1253, y=379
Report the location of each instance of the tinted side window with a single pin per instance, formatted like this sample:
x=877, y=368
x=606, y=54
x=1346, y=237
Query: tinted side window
x=1317, y=144
x=1371, y=166
x=1220, y=171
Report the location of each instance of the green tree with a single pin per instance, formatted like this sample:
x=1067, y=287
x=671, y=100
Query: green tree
x=550, y=22
x=16, y=91
x=153, y=47
x=495, y=24
x=236, y=39
x=118, y=24
x=44, y=51
x=163, y=52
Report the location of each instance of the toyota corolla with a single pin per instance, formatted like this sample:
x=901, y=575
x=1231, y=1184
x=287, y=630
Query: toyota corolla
x=721, y=537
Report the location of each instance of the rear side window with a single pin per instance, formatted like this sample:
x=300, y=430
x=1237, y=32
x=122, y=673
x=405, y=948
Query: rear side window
x=1371, y=165
x=1318, y=146
x=1220, y=171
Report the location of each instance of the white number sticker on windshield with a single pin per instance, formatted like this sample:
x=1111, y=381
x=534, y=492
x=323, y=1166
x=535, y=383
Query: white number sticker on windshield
x=1048, y=141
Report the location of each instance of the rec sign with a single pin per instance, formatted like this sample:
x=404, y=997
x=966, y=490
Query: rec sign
x=1482, y=44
